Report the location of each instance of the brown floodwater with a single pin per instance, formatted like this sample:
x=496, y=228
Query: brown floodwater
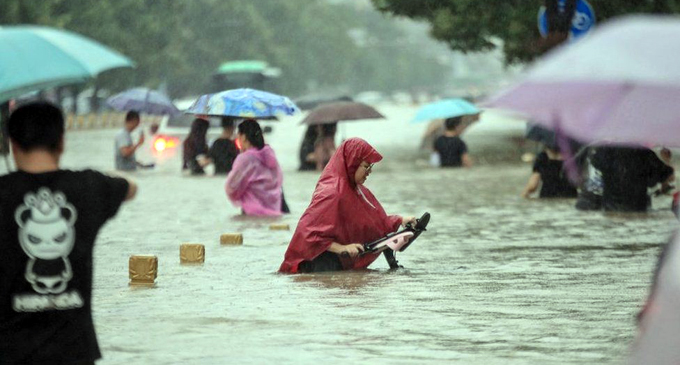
x=495, y=279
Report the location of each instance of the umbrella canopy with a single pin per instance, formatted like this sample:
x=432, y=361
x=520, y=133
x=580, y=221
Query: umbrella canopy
x=242, y=66
x=312, y=101
x=143, y=100
x=335, y=112
x=243, y=103
x=447, y=108
x=620, y=84
x=34, y=58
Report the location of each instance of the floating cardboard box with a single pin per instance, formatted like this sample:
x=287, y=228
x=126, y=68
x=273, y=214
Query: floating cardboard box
x=279, y=227
x=191, y=253
x=143, y=270
x=231, y=239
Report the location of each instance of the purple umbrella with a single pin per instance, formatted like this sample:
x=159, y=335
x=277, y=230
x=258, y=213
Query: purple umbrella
x=143, y=100
x=621, y=84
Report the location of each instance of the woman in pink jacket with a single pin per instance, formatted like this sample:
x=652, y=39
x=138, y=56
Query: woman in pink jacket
x=254, y=183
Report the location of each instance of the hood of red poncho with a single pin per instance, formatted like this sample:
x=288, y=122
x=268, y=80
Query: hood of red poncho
x=347, y=159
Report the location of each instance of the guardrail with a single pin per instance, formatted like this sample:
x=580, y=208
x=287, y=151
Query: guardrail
x=105, y=120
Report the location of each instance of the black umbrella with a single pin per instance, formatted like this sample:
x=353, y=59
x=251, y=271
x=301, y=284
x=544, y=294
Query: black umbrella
x=340, y=111
x=309, y=102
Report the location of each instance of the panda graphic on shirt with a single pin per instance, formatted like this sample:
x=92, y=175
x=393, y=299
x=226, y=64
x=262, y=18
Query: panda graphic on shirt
x=47, y=236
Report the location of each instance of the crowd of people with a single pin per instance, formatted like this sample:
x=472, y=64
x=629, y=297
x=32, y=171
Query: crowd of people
x=612, y=178
x=609, y=177
x=606, y=177
x=51, y=216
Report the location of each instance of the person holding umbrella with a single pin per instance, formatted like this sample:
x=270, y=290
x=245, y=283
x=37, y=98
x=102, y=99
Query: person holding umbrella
x=255, y=175
x=255, y=180
x=449, y=148
x=135, y=101
x=325, y=119
x=125, y=148
x=452, y=151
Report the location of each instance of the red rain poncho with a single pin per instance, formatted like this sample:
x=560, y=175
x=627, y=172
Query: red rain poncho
x=339, y=212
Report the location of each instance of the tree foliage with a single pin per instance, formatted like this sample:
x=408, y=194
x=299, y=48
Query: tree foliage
x=473, y=25
x=181, y=42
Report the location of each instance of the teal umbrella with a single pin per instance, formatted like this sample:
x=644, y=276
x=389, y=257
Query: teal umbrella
x=447, y=108
x=35, y=58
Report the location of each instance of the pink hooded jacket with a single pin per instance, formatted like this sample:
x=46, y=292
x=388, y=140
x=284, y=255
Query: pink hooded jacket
x=254, y=183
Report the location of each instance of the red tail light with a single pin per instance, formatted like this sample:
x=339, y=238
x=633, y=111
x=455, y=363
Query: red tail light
x=162, y=143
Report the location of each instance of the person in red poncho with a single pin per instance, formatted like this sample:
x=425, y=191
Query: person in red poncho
x=342, y=216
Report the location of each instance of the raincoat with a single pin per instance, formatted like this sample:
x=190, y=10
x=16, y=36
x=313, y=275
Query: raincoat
x=254, y=183
x=341, y=211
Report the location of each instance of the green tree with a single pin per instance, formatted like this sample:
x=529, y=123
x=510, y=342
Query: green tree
x=181, y=43
x=474, y=26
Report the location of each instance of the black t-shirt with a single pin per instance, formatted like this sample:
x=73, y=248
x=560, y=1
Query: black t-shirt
x=555, y=183
x=451, y=150
x=223, y=152
x=626, y=173
x=48, y=225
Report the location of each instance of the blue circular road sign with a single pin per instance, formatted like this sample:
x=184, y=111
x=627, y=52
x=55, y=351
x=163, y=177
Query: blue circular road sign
x=582, y=22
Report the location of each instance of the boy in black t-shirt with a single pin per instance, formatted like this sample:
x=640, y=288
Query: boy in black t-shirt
x=49, y=219
x=451, y=149
x=548, y=173
x=223, y=151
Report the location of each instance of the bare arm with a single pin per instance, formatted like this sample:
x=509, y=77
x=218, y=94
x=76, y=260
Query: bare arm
x=467, y=161
x=132, y=190
x=127, y=151
x=204, y=161
x=532, y=185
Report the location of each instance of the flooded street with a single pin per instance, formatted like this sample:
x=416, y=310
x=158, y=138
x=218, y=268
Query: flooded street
x=496, y=279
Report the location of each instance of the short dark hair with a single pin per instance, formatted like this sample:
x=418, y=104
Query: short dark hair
x=453, y=123
x=227, y=122
x=36, y=125
x=251, y=129
x=131, y=115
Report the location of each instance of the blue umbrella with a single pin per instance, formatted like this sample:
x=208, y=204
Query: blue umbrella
x=447, y=108
x=243, y=103
x=143, y=100
x=34, y=58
